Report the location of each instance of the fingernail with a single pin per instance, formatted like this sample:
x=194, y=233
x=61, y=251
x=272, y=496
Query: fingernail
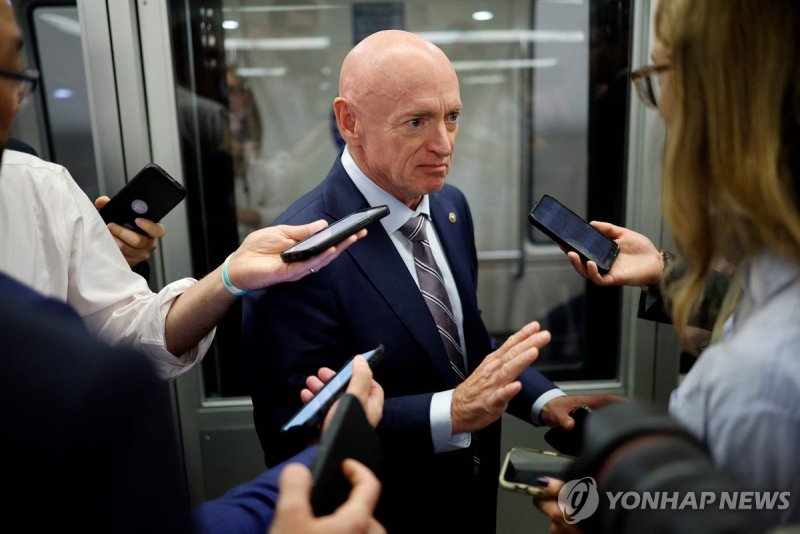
x=542, y=481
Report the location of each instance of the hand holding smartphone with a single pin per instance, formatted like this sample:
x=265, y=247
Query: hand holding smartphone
x=151, y=194
x=522, y=466
x=334, y=233
x=349, y=435
x=569, y=441
x=314, y=410
x=573, y=233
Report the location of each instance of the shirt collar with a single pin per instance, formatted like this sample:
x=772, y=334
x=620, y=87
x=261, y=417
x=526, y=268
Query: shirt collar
x=399, y=213
x=767, y=274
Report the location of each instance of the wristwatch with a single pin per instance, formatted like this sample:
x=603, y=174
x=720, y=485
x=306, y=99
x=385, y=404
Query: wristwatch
x=667, y=258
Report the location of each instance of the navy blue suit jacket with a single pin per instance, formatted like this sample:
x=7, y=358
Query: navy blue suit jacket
x=88, y=444
x=88, y=440
x=367, y=297
x=248, y=508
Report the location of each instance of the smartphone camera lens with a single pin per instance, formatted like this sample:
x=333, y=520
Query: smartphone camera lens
x=139, y=206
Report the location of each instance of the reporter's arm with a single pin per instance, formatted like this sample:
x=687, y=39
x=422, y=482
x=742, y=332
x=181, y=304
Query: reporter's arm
x=249, y=507
x=256, y=264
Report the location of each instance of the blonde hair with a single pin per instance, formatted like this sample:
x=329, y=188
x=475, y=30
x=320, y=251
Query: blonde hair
x=729, y=186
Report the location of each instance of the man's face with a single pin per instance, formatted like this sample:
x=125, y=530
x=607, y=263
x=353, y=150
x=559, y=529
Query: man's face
x=409, y=134
x=10, y=44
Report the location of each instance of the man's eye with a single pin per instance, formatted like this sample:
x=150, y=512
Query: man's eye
x=415, y=123
x=453, y=117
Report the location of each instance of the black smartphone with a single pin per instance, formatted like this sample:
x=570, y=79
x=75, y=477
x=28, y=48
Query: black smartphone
x=573, y=233
x=569, y=441
x=334, y=233
x=523, y=466
x=315, y=409
x=151, y=194
x=349, y=435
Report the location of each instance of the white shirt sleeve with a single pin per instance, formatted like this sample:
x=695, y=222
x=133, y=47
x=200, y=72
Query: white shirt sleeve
x=59, y=245
x=115, y=302
x=441, y=426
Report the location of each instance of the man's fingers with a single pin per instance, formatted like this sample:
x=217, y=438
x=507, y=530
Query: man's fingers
x=525, y=332
x=361, y=382
x=295, y=489
x=366, y=486
x=154, y=230
x=502, y=396
x=594, y=273
x=322, y=259
x=298, y=233
x=325, y=374
x=314, y=384
x=577, y=264
x=132, y=239
x=536, y=340
x=101, y=201
x=607, y=229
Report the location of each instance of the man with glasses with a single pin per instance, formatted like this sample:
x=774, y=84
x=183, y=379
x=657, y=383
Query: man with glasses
x=53, y=240
x=88, y=440
x=134, y=246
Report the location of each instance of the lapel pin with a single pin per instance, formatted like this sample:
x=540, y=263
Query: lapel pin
x=452, y=217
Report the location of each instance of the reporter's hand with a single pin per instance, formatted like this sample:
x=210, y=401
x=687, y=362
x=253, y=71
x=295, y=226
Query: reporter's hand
x=134, y=246
x=638, y=263
x=368, y=392
x=555, y=412
x=548, y=504
x=293, y=513
x=257, y=262
x=483, y=397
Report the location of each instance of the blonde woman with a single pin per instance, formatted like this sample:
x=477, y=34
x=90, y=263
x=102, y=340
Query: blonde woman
x=730, y=191
x=730, y=94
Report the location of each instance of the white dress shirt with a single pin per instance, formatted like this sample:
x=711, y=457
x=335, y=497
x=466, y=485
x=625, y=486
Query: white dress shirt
x=53, y=239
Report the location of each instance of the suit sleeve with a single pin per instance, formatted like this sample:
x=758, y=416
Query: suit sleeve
x=248, y=508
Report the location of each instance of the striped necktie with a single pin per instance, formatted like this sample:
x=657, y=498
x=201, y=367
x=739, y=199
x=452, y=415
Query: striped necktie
x=431, y=285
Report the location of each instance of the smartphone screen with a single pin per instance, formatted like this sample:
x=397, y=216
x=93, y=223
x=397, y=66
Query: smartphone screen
x=334, y=233
x=315, y=409
x=523, y=466
x=573, y=233
x=151, y=194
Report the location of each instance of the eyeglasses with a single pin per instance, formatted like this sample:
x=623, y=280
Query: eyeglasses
x=24, y=83
x=647, y=81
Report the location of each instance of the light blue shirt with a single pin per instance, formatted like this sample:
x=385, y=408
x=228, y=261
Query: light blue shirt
x=441, y=427
x=742, y=397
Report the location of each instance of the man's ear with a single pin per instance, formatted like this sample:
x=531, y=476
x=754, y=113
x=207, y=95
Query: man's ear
x=345, y=119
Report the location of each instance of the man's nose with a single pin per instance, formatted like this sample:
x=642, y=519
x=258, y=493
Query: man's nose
x=441, y=140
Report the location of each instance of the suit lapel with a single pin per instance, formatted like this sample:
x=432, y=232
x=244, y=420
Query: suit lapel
x=380, y=263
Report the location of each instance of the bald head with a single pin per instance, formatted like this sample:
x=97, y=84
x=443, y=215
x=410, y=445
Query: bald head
x=385, y=63
x=398, y=109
